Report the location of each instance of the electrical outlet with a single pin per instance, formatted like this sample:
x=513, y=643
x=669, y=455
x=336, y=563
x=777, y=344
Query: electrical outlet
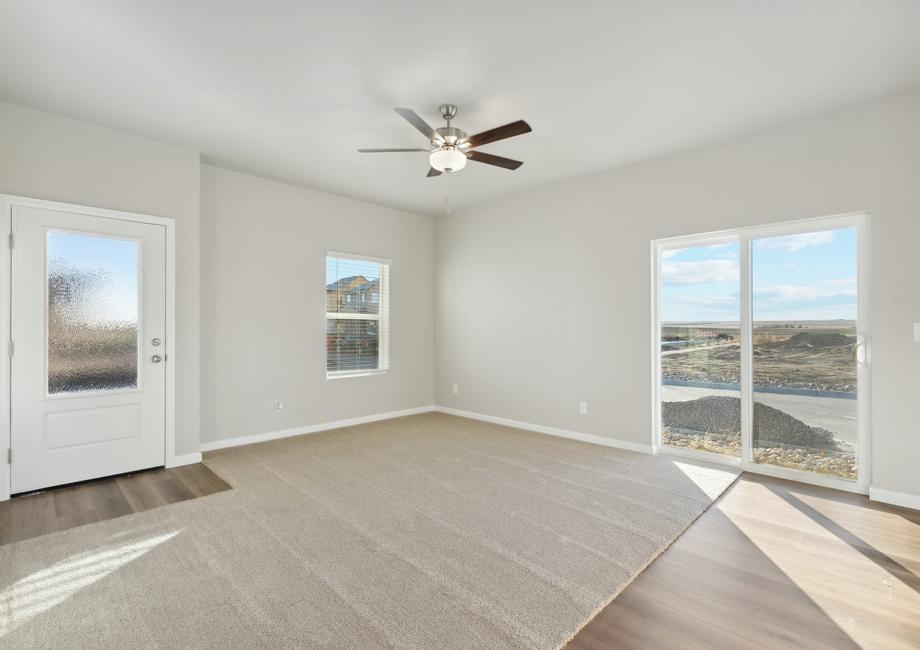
x=582, y=408
x=279, y=406
x=455, y=389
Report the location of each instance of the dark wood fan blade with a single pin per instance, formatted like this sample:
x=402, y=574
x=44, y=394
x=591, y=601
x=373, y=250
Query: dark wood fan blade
x=412, y=118
x=433, y=172
x=387, y=150
x=489, y=159
x=499, y=133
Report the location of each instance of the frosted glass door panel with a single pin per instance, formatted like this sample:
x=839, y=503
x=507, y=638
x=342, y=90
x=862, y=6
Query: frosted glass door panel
x=92, y=313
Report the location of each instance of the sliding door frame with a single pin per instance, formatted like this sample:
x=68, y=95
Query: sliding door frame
x=745, y=236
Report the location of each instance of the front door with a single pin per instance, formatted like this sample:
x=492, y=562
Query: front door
x=88, y=326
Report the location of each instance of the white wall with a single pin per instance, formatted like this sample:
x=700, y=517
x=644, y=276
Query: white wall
x=258, y=246
x=543, y=299
x=51, y=157
x=263, y=305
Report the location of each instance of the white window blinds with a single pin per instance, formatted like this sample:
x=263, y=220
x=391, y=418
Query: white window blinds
x=357, y=314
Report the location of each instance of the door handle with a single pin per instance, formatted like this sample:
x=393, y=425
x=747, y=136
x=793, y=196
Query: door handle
x=859, y=349
x=156, y=358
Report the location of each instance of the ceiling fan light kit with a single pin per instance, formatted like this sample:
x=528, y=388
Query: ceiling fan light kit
x=451, y=147
x=447, y=159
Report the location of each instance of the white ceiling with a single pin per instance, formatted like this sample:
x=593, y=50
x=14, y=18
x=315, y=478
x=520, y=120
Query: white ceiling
x=289, y=90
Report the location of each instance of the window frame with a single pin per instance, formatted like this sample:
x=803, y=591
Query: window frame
x=382, y=317
x=746, y=235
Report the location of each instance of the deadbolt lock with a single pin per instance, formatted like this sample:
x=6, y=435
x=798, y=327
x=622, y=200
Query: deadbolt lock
x=155, y=342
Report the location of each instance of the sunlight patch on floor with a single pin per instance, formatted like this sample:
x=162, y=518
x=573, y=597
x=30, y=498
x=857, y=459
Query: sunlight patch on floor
x=709, y=479
x=44, y=589
x=842, y=564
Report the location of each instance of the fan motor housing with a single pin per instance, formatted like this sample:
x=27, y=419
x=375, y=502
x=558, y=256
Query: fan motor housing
x=451, y=134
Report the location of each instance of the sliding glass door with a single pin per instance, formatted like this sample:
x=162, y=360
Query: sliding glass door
x=701, y=348
x=805, y=352
x=760, y=356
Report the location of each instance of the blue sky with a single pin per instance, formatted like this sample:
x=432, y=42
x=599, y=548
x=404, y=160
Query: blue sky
x=118, y=258
x=338, y=268
x=811, y=276
x=797, y=277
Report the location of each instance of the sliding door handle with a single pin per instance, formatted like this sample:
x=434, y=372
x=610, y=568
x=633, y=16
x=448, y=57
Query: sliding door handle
x=859, y=349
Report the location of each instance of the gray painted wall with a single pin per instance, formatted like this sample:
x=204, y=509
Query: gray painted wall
x=46, y=156
x=543, y=299
x=263, y=305
x=540, y=300
x=263, y=254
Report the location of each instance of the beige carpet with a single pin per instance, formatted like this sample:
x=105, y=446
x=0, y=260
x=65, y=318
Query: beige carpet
x=424, y=532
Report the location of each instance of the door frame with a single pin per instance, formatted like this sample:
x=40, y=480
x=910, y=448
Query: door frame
x=7, y=202
x=858, y=220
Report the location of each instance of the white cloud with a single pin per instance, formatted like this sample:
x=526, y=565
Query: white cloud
x=670, y=253
x=794, y=243
x=719, y=303
x=827, y=300
x=833, y=292
x=699, y=272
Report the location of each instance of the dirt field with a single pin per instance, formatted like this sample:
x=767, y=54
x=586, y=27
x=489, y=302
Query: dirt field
x=792, y=355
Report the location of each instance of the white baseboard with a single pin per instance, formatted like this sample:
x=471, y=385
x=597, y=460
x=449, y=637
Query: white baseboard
x=552, y=431
x=891, y=497
x=311, y=428
x=184, y=459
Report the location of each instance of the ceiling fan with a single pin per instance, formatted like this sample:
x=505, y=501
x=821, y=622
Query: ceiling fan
x=451, y=147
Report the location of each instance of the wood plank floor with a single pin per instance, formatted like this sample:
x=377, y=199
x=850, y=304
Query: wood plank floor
x=46, y=512
x=775, y=564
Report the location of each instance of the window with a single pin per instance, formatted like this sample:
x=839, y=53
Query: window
x=700, y=351
x=92, y=313
x=357, y=328
x=761, y=348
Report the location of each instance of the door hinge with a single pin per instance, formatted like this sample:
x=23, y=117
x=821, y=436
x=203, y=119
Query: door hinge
x=12, y=347
x=12, y=239
x=9, y=456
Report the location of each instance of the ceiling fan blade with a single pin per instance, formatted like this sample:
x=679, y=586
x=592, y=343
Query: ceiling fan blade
x=499, y=133
x=432, y=172
x=412, y=118
x=387, y=150
x=489, y=159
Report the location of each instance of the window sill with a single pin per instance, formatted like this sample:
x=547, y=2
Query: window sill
x=355, y=373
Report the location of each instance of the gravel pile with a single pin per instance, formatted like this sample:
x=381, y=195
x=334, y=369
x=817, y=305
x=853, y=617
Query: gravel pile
x=722, y=415
x=841, y=464
x=819, y=340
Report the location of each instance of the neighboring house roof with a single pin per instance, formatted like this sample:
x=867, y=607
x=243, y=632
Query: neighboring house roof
x=347, y=283
x=367, y=286
x=339, y=294
x=354, y=283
